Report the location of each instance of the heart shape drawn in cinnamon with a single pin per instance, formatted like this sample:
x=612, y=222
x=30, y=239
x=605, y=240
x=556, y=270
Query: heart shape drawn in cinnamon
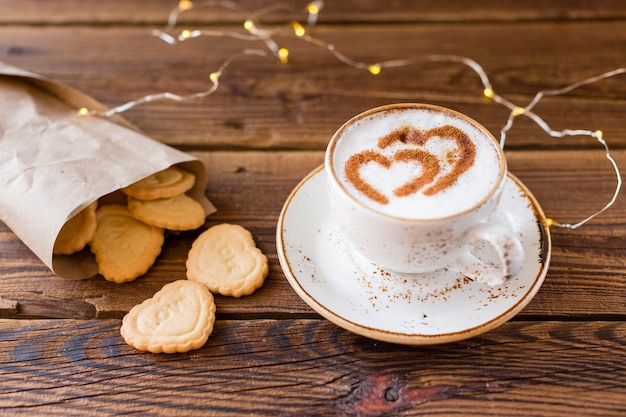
x=431, y=167
x=178, y=318
x=428, y=162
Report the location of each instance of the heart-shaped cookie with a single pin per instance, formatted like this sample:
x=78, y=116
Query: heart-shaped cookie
x=226, y=259
x=178, y=318
x=460, y=161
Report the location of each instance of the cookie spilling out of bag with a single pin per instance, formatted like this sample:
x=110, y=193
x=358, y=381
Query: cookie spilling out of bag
x=126, y=239
x=125, y=247
x=223, y=260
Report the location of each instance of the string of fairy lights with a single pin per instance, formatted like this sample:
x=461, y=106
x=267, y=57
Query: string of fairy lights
x=255, y=31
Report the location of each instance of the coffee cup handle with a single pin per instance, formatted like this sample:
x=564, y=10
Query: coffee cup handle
x=506, y=246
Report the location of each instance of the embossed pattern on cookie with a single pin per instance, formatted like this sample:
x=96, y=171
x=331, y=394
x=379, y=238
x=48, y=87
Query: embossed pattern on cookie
x=178, y=318
x=225, y=258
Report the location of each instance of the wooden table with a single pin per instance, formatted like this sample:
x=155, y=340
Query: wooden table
x=259, y=134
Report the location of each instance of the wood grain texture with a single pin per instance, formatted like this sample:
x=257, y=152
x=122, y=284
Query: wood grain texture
x=311, y=367
x=264, y=129
x=249, y=188
x=372, y=11
x=263, y=104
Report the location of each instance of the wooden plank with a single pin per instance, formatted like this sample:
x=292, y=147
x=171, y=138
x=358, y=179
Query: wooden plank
x=311, y=367
x=249, y=188
x=156, y=11
x=264, y=129
x=263, y=104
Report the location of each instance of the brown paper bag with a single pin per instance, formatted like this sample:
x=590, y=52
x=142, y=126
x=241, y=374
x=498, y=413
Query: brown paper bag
x=54, y=162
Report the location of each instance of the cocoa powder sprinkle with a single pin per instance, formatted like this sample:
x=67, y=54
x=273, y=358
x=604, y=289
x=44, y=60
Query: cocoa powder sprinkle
x=353, y=166
x=462, y=161
x=430, y=169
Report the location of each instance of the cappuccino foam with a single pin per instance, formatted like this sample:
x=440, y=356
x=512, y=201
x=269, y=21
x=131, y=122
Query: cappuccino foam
x=416, y=163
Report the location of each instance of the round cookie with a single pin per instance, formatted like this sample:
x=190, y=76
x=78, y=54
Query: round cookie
x=125, y=248
x=76, y=232
x=180, y=212
x=163, y=184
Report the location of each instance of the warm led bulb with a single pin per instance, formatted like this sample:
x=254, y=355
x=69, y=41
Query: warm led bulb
x=249, y=25
x=313, y=8
x=598, y=134
x=374, y=69
x=186, y=34
x=185, y=4
x=518, y=111
x=283, y=55
x=549, y=222
x=214, y=77
x=83, y=111
x=488, y=92
x=298, y=29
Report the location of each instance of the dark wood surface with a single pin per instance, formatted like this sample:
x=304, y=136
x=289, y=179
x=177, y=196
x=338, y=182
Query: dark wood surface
x=267, y=127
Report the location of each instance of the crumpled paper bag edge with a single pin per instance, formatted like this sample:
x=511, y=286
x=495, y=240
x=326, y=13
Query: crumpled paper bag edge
x=82, y=265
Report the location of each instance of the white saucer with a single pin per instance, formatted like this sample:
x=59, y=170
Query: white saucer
x=420, y=309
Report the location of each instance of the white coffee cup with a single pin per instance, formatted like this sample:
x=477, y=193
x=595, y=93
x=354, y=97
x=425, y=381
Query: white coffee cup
x=412, y=188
